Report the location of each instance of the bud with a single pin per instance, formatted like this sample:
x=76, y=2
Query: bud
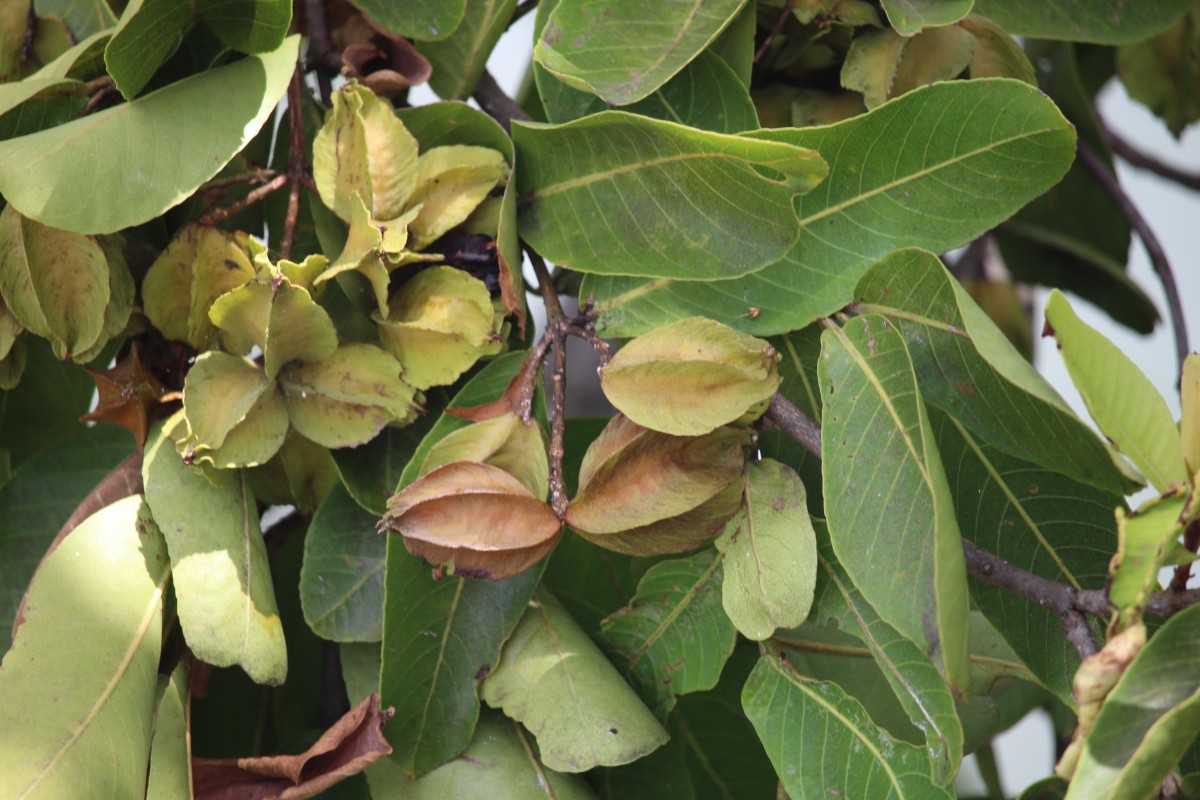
x=439, y=324
x=507, y=442
x=691, y=377
x=645, y=493
x=477, y=517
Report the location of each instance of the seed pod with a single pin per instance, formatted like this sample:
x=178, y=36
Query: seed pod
x=643, y=492
x=506, y=442
x=475, y=515
x=691, y=377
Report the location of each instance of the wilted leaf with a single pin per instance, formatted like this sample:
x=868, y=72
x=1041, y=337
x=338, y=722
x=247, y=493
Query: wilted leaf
x=220, y=109
x=1147, y=541
x=651, y=183
x=690, y=377
x=355, y=741
x=890, y=511
x=883, y=64
x=623, y=52
x=672, y=638
x=476, y=516
x=770, y=553
x=346, y=399
x=549, y=656
x=101, y=591
x=226, y=601
x=1125, y=405
x=842, y=750
x=127, y=394
x=451, y=181
x=517, y=447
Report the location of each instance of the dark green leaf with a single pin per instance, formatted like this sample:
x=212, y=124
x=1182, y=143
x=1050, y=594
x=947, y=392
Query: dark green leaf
x=149, y=31
x=890, y=511
x=654, y=185
x=1100, y=21
x=85, y=17
x=251, y=26
x=673, y=638
x=214, y=114
x=45, y=407
x=623, y=52
x=459, y=59
x=423, y=20
x=735, y=45
x=948, y=162
x=341, y=583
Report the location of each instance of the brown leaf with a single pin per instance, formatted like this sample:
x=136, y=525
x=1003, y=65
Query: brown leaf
x=354, y=742
x=510, y=402
x=128, y=394
x=484, y=519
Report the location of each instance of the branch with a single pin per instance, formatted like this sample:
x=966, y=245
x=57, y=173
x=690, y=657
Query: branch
x=775, y=29
x=795, y=423
x=1125, y=151
x=496, y=103
x=323, y=56
x=1158, y=257
x=523, y=8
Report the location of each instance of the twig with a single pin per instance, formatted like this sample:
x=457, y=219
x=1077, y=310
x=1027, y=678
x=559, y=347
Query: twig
x=775, y=29
x=322, y=54
x=1183, y=572
x=255, y=175
x=496, y=103
x=795, y=423
x=99, y=89
x=1158, y=257
x=1078, y=633
x=556, y=333
x=297, y=163
x=1136, y=158
x=523, y=8
x=554, y=309
x=31, y=26
x=256, y=196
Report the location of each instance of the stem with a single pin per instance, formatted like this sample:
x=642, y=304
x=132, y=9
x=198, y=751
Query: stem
x=1158, y=257
x=297, y=163
x=1191, y=540
x=795, y=423
x=775, y=29
x=558, y=424
x=320, y=47
x=496, y=103
x=256, y=196
x=554, y=309
x=1124, y=150
x=523, y=8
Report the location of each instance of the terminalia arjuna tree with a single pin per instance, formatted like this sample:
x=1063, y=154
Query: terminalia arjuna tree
x=290, y=501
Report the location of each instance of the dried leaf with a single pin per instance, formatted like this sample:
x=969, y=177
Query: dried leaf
x=128, y=393
x=354, y=742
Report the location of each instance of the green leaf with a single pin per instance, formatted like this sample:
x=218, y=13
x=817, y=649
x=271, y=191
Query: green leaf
x=1125, y=405
x=39, y=497
x=85, y=17
x=215, y=114
x=967, y=368
x=222, y=580
x=44, y=409
x=35, y=104
x=1146, y=543
x=883, y=64
x=1045, y=789
x=652, y=182
x=423, y=20
x=910, y=16
x=251, y=26
x=841, y=749
x=922, y=692
x=1039, y=518
x=499, y=759
x=546, y=659
x=948, y=162
x=170, y=774
x=220, y=390
x=460, y=59
x=1161, y=73
x=769, y=551
x=100, y=594
x=341, y=582
x=148, y=33
x=673, y=638
x=1148, y=721
x=1099, y=21
x=735, y=46
x=623, y=52
x=890, y=512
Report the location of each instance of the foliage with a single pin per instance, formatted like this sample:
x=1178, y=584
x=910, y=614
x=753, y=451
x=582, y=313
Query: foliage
x=837, y=532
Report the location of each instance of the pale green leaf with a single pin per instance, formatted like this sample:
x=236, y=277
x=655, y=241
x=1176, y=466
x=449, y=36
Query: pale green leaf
x=769, y=551
x=673, y=638
x=1125, y=405
x=841, y=749
x=652, y=183
x=1148, y=720
x=967, y=367
x=85, y=17
x=947, y=163
x=1098, y=21
x=922, y=692
x=890, y=511
x=1037, y=517
x=219, y=391
x=226, y=601
x=148, y=33
x=544, y=662
x=1189, y=423
x=251, y=26
x=216, y=112
x=498, y=762
x=910, y=16
x=623, y=52
x=1146, y=543
x=170, y=774
x=341, y=581
x=459, y=59
x=423, y=20
x=98, y=598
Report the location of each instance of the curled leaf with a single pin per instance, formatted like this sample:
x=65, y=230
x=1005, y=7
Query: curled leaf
x=451, y=182
x=477, y=515
x=691, y=376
